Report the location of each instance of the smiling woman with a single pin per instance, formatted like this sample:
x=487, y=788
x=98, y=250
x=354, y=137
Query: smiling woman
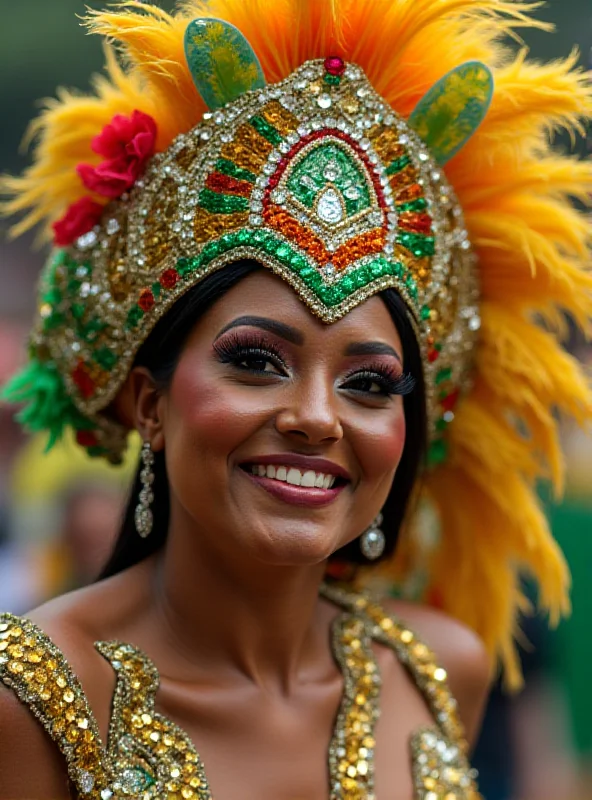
x=276, y=260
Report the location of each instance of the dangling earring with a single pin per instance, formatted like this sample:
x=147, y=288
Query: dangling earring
x=144, y=518
x=372, y=541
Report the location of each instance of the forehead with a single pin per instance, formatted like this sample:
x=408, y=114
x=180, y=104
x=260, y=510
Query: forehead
x=264, y=294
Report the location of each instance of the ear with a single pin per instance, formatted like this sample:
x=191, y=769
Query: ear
x=139, y=405
x=450, y=113
x=222, y=63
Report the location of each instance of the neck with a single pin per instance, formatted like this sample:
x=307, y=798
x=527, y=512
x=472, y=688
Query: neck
x=223, y=612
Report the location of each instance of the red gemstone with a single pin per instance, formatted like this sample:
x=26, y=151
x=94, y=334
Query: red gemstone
x=450, y=401
x=433, y=355
x=169, y=278
x=86, y=439
x=83, y=381
x=335, y=65
x=146, y=300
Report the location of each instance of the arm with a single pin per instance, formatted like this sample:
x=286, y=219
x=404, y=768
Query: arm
x=30, y=764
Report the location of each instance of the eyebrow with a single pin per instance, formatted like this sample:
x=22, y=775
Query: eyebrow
x=372, y=349
x=271, y=325
x=294, y=336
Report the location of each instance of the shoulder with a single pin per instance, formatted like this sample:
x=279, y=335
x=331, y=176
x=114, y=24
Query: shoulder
x=459, y=651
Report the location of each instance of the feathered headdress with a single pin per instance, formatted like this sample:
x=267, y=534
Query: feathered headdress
x=497, y=373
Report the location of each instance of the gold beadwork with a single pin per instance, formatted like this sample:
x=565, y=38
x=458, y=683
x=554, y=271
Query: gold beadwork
x=151, y=758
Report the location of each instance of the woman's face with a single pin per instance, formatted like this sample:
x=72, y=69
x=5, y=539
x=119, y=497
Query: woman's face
x=282, y=434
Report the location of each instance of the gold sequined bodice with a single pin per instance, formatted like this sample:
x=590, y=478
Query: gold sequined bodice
x=148, y=757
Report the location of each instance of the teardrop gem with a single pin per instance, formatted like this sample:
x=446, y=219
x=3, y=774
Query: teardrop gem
x=330, y=206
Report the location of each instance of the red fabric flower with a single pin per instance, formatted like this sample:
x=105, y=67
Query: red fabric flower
x=81, y=217
x=126, y=143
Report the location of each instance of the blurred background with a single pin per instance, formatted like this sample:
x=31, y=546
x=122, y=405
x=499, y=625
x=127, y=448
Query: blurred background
x=60, y=513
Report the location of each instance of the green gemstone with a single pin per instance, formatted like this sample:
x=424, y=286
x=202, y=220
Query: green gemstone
x=78, y=310
x=425, y=312
x=56, y=320
x=419, y=245
x=437, y=453
x=222, y=203
x=441, y=425
x=156, y=289
x=397, y=165
x=332, y=80
x=73, y=286
x=444, y=375
x=229, y=168
x=266, y=130
x=106, y=358
x=134, y=315
x=415, y=205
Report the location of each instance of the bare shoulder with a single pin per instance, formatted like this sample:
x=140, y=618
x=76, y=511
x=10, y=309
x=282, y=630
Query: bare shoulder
x=459, y=650
x=30, y=763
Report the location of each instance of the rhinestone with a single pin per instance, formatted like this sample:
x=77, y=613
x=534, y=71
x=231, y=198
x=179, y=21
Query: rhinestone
x=372, y=544
x=256, y=220
x=87, y=240
x=87, y=781
x=75, y=346
x=352, y=193
x=329, y=206
x=219, y=118
x=112, y=226
x=475, y=323
x=293, y=138
x=403, y=139
x=423, y=157
x=324, y=101
x=106, y=794
x=205, y=135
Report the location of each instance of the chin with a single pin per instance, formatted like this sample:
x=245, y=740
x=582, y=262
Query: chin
x=298, y=549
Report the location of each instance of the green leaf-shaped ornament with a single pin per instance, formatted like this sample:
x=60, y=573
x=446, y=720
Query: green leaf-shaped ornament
x=450, y=113
x=221, y=61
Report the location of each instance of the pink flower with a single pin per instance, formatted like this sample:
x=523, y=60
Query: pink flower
x=80, y=218
x=126, y=143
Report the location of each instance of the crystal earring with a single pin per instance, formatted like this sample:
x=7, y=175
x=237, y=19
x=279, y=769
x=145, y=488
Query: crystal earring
x=144, y=518
x=372, y=541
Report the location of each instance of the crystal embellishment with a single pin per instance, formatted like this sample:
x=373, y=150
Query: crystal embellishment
x=330, y=206
x=87, y=781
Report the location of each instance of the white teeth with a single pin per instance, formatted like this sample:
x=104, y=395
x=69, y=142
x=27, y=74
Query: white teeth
x=295, y=477
x=308, y=479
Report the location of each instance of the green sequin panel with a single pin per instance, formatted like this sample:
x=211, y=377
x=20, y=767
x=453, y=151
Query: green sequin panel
x=222, y=203
x=417, y=244
x=289, y=257
x=397, y=165
x=229, y=168
x=327, y=164
x=420, y=204
x=266, y=130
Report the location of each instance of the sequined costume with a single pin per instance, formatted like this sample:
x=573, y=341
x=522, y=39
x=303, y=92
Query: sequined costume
x=147, y=756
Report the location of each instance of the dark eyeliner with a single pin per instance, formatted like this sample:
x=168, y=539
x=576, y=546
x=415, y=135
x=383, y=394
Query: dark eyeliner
x=237, y=347
x=391, y=381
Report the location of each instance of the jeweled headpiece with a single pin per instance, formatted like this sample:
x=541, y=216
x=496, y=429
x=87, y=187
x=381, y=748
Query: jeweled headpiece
x=323, y=140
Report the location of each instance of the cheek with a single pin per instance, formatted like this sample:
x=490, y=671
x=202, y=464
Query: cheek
x=381, y=445
x=207, y=413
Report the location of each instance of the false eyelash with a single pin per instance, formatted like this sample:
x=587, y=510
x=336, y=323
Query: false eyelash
x=391, y=381
x=236, y=346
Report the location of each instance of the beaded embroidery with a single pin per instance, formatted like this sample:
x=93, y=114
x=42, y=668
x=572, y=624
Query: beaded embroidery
x=148, y=757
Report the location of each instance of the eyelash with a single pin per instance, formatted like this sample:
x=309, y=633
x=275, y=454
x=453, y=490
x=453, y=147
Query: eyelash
x=237, y=348
x=390, y=381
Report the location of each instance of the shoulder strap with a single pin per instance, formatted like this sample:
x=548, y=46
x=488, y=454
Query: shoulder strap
x=414, y=654
x=38, y=673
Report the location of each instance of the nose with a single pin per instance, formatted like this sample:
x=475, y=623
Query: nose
x=311, y=414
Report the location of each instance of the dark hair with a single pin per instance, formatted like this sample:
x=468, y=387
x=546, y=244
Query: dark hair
x=160, y=354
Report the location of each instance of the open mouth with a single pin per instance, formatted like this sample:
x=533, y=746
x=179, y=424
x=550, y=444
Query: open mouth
x=293, y=476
